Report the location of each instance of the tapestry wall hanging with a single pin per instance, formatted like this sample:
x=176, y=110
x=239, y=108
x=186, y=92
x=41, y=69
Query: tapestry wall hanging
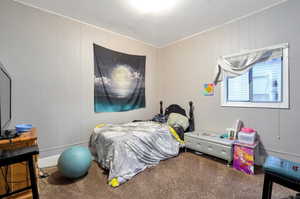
x=119, y=81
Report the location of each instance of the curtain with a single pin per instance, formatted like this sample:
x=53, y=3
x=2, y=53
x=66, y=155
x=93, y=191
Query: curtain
x=237, y=65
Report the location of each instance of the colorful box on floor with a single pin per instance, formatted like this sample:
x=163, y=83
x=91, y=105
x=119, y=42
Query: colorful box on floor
x=243, y=158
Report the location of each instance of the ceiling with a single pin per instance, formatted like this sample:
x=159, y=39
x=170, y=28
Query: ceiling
x=183, y=19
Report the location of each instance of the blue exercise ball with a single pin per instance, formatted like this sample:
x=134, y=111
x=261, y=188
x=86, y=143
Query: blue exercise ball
x=74, y=162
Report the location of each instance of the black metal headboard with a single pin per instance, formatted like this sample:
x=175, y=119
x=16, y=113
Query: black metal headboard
x=191, y=114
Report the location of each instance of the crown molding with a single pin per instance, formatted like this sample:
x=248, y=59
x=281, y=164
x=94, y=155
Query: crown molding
x=224, y=24
x=149, y=44
x=83, y=23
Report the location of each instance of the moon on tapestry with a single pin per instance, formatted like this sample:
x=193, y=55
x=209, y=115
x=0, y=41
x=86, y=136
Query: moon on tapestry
x=119, y=83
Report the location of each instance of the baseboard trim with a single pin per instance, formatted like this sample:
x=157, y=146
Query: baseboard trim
x=85, y=142
x=50, y=161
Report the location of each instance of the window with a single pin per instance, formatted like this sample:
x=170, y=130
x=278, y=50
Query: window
x=264, y=85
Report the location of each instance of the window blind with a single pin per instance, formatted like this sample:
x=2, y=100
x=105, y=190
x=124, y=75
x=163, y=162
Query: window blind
x=238, y=88
x=267, y=81
x=262, y=83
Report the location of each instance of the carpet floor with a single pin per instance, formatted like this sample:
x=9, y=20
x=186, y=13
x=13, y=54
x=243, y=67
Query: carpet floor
x=186, y=176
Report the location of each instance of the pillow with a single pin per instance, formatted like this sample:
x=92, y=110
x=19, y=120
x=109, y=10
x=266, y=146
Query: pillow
x=178, y=119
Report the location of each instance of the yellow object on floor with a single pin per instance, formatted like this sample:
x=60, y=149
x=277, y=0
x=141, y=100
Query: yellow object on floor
x=114, y=182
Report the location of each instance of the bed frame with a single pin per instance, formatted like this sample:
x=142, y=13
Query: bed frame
x=191, y=114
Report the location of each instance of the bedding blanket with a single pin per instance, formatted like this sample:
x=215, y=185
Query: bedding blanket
x=127, y=149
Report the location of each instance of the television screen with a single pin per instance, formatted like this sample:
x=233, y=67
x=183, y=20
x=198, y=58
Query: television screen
x=5, y=98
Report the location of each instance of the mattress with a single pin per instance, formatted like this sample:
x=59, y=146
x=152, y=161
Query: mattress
x=127, y=149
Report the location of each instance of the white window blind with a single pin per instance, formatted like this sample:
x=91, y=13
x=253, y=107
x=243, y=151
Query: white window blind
x=238, y=88
x=267, y=81
x=263, y=83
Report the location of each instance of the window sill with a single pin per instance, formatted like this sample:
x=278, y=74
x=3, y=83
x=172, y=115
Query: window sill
x=256, y=105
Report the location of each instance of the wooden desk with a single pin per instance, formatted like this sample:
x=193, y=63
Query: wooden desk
x=18, y=174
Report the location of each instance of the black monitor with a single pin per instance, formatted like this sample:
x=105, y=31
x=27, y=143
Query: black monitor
x=5, y=99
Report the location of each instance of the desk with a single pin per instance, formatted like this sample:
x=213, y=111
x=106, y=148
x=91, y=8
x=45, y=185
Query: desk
x=18, y=172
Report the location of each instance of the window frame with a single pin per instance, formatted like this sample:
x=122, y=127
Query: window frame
x=284, y=104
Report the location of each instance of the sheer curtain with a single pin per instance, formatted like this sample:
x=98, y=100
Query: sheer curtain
x=236, y=65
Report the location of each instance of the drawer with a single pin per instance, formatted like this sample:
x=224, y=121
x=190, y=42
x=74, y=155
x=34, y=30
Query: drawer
x=218, y=150
x=192, y=140
x=226, y=153
x=192, y=144
x=211, y=148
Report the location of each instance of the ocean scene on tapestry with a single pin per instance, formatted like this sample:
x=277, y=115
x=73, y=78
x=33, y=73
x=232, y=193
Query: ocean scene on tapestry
x=119, y=81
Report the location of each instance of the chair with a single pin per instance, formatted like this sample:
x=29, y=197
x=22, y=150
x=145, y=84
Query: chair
x=9, y=157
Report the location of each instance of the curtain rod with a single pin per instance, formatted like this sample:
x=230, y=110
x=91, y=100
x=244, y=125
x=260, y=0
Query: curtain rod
x=283, y=45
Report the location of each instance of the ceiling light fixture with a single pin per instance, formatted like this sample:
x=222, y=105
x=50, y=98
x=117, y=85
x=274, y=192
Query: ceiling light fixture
x=152, y=6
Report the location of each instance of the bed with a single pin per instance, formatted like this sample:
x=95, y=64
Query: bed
x=125, y=150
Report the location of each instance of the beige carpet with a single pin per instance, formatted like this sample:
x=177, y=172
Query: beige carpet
x=186, y=176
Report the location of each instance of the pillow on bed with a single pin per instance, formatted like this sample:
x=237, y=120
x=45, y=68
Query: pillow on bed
x=178, y=119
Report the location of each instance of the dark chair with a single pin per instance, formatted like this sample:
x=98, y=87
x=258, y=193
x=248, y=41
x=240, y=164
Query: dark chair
x=9, y=157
